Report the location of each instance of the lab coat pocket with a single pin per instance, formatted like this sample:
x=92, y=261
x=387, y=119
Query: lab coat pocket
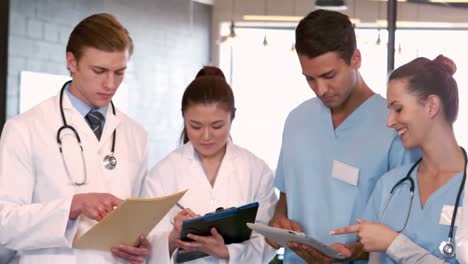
x=46, y=256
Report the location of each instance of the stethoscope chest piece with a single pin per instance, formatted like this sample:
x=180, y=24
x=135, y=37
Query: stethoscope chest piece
x=110, y=161
x=447, y=248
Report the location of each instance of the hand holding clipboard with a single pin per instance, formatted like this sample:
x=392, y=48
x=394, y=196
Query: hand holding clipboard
x=227, y=225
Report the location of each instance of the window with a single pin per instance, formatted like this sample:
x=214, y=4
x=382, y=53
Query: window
x=268, y=83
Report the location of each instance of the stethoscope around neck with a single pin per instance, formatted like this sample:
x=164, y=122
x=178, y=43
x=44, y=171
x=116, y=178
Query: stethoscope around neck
x=446, y=248
x=110, y=162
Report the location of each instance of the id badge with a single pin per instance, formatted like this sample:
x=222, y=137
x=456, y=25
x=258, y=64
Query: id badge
x=447, y=213
x=345, y=172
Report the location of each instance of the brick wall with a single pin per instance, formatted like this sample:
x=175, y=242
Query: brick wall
x=172, y=41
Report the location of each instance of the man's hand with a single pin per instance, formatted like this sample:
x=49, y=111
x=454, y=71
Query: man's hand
x=212, y=245
x=134, y=255
x=93, y=205
x=311, y=255
x=280, y=219
x=284, y=223
x=373, y=236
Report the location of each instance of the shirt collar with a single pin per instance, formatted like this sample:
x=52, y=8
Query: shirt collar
x=189, y=151
x=81, y=106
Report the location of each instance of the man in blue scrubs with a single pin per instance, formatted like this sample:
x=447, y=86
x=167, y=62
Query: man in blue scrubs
x=335, y=146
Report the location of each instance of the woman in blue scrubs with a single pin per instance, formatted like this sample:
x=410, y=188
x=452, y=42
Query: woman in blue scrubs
x=414, y=224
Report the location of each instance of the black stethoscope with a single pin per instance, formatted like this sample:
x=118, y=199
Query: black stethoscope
x=110, y=162
x=446, y=248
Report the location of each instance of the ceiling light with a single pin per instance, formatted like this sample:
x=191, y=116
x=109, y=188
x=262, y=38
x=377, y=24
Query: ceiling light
x=400, y=23
x=272, y=18
x=335, y=5
x=448, y=1
x=265, y=41
x=232, y=32
x=283, y=18
x=231, y=36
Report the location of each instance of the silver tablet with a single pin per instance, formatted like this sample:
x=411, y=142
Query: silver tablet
x=283, y=236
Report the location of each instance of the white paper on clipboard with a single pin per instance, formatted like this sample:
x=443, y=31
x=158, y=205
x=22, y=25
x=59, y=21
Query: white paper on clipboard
x=283, y=236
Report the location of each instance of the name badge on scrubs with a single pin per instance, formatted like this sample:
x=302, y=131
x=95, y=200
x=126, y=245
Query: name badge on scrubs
x=345, y=172
x=447, y=213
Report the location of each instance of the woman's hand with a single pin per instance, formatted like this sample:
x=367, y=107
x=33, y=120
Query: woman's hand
x=183, y=215
x=373, y=236
x=212, y=245
x=311, y=255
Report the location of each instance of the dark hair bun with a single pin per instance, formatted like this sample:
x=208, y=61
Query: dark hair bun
x=446, y=64
x=210, y=71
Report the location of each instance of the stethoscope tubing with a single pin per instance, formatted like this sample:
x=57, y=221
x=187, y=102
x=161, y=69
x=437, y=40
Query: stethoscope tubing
x=65, y=124
x=412, y=186
x=77, y=136
x=457, y=201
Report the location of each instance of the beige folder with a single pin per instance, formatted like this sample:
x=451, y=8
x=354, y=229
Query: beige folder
x=127, y=222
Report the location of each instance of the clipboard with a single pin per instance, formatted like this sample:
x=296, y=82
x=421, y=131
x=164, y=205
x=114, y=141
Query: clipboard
x=127, y=222
x=230, y=224
x=283, y=236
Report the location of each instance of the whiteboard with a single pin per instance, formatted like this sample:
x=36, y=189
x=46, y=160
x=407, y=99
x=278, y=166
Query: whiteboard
x=36, y=87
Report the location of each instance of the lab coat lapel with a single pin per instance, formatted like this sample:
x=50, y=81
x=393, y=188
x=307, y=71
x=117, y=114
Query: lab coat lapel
x=227, y=165
x=112, y=121
x=88, y=141
x=195, y=166
x=76, y=120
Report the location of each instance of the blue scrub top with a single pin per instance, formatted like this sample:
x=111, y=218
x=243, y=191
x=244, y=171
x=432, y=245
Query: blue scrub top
x=423, y=225
x=315, y=199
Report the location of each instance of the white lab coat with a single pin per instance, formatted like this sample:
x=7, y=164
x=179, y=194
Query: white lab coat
x=36, y=191
x=461, y=233
x=461, y=239
x=242, y=178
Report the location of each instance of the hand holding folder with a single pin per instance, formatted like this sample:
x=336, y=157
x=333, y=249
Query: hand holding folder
x=230, y=224
x=127, y=222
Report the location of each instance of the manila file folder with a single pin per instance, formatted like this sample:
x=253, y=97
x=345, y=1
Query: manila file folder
x=127, y=222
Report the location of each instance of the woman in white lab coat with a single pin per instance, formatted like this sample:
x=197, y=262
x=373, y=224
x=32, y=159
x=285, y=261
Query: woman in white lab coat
x=46, y=198
x=216, y=172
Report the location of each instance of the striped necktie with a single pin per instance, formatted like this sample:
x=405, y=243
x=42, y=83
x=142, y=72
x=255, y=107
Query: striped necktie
x=95, y=120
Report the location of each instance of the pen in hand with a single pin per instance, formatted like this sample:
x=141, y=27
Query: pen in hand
x=184, y=214
x=181, y=208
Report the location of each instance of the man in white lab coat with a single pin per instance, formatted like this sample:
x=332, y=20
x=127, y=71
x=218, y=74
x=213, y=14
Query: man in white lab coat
x=51, y=190
x=6, y=254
